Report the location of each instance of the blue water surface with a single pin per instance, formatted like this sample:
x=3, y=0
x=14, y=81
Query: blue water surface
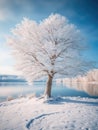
x=17, y=89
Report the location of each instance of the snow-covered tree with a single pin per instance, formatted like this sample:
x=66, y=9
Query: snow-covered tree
x=51, y=47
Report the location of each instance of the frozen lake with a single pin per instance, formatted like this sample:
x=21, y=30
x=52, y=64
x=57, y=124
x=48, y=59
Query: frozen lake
x=16, y=89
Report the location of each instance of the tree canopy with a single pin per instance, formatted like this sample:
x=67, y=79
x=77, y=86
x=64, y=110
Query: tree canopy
x=51, y=47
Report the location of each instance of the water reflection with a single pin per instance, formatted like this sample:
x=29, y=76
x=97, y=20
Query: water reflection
x=19, y=88
x=16, y=89
x=90, y=88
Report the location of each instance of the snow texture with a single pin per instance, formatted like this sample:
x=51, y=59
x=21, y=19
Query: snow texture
x=66, y=113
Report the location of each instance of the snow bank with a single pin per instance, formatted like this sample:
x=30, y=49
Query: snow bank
x=66, y=113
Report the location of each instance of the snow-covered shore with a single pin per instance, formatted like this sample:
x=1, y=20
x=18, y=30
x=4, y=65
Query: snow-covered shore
x=66, y=113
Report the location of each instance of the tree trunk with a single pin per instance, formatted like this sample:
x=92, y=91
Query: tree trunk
x=48, y=87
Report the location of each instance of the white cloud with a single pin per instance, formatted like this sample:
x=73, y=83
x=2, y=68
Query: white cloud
x=10, y=70
x=2, y=15
x=8, y=9
x=4, y=57
x=5, y=14
x=6, y=64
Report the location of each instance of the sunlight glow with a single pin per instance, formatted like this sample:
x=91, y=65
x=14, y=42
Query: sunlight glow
x=8, y=70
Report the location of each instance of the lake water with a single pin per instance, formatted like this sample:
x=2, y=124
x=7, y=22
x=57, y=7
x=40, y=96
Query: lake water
x=17, y=89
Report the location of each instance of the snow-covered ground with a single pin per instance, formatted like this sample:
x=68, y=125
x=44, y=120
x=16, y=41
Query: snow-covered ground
x=66, y=113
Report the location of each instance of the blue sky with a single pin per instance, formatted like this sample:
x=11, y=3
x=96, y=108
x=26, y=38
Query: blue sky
x=82, y=13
